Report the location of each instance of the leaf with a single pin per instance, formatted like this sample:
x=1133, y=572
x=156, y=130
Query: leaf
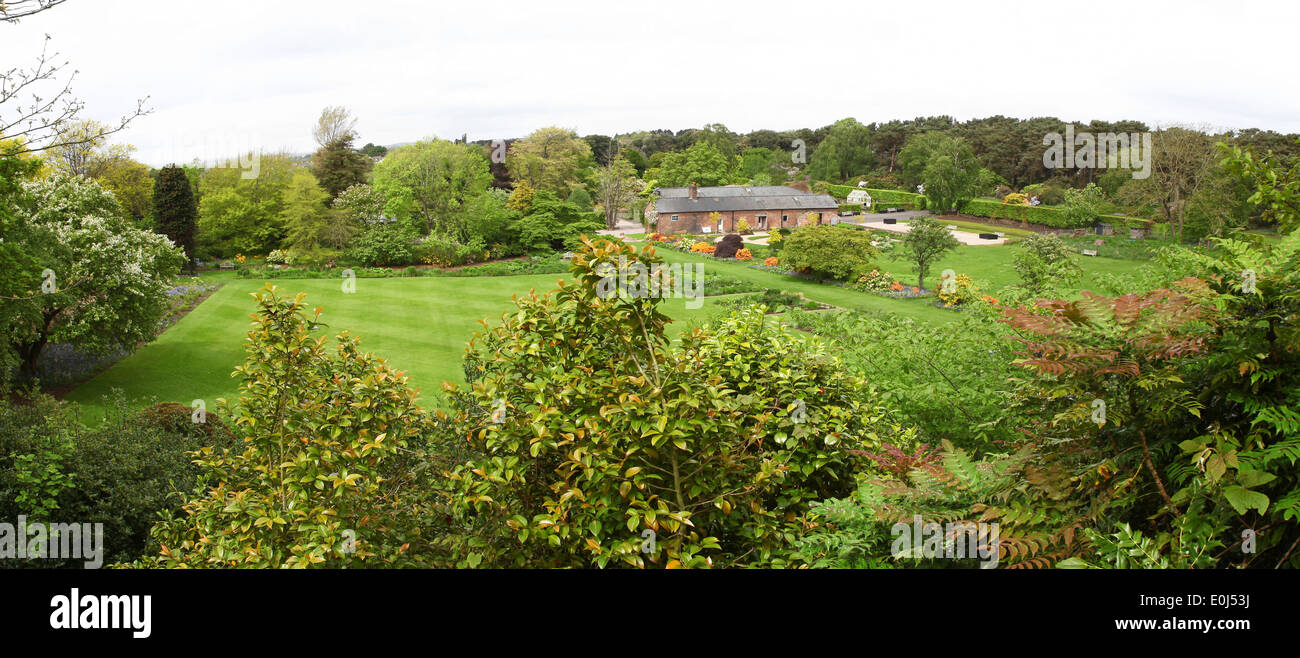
x=1244, y=499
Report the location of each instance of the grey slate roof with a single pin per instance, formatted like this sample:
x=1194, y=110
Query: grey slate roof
x=727, y=199
x=729, y=190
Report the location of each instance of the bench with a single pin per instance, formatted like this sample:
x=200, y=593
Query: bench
x=1089, y=252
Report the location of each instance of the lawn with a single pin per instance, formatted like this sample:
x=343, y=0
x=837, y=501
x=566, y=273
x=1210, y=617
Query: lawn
x=990, y=265
x=422, y=324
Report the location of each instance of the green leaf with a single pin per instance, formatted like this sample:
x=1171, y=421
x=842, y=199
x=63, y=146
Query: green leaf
x=1244, y=499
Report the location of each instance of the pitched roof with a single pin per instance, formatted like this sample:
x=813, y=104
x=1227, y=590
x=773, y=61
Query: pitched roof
x=727, y=199
x=730, y=190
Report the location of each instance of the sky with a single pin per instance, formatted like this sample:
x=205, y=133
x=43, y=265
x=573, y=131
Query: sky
x=226, y=77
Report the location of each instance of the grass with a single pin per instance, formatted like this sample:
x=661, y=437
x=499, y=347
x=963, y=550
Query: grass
x=422, y=324
x=989, y=265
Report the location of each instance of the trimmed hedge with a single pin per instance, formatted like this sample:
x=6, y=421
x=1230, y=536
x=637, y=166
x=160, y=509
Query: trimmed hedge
x=886, y=198
x=1042, y=215
x=850, y=207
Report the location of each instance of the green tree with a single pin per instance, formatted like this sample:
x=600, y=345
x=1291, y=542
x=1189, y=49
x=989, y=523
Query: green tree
x=832, y=251
x=844, y=153
x=548, y=159
x=716, y=459
x=243, y=215
x=309, y=225
x=439, y=176
x=336, y=164
x=326, y=471
x=951, y=173
x=1044, y=262
x=103, y=282
x=925, y=243
x=174, y=209
x=701, y=164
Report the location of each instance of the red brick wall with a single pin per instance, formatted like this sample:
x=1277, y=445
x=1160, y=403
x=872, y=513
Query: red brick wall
x=693, y=222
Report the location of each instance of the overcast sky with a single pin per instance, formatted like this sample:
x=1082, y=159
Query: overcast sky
x=224, y=76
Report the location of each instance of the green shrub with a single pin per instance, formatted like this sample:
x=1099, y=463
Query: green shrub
x=123, y=473
x=331, y=445
x=387, y=244
x=831, y=251
x=747, y=426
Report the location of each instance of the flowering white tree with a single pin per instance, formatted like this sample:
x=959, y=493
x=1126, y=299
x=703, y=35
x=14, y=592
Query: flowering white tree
x=102, y=282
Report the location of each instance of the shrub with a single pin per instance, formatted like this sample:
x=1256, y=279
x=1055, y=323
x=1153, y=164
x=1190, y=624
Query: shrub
x=744, y=254
x=123, y=473
x=702, y=247
x=278, y=257
x=877, y=281
x=831, y=251
x=1016, y=199
x=1044, y=262
x=578, y=478
x=771, y=261
x=729, y=245
x=385, y=244
x=742, y=226
x=325, y=477
x=961, y=291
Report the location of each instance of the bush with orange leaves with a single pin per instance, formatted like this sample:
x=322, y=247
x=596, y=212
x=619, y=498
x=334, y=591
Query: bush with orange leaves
x=703, y=248
x=771, y=261
x=744, y=254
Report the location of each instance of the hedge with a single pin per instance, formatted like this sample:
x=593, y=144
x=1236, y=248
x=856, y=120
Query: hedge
x=886, y=198
x=850, y=207
x=1042, y=215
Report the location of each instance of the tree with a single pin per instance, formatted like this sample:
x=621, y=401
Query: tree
x=103, y=282
x=832, y=251
x=1045, y=262
x=336, y=164
x=616, y=188
x=844, y=153
x=1275, y=180
x=439, y=176
x=361, y=205
x=1181, y=160
x=947, y=167
x=717, y=461
x=242, y=215
x=701, y=164
x=925, y=243
x=132, y=183
x=548, y=159
x=330, y=444
x=174, y=209
x=309, y=225
x=33, y=119
x=1082, y=206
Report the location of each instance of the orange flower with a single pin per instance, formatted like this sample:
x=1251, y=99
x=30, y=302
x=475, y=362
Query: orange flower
x=770, y=261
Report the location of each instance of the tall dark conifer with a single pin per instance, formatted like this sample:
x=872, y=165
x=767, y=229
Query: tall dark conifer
x=174, y=209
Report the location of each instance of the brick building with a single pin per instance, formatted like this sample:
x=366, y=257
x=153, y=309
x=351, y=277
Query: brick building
x=764, y=208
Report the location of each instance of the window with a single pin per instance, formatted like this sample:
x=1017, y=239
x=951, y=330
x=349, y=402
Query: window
x=676, y=217
x=783, y=219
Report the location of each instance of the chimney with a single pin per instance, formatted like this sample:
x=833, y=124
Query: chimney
x=695, y=192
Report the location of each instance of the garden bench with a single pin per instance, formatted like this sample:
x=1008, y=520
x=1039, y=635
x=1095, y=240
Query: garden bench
x=1089, y=252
